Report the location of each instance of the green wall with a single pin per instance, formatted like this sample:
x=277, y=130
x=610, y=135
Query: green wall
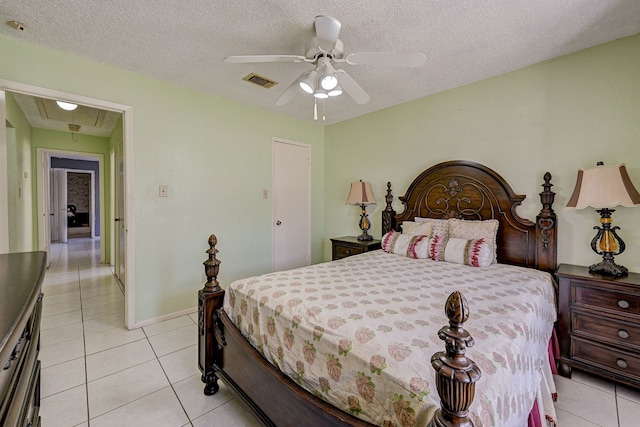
x=23, y=236
x=557, y=116
x=213, y=154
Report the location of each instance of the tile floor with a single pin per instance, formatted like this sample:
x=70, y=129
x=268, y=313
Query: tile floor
x=96, y=373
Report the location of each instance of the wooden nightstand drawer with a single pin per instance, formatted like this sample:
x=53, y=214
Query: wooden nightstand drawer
x=618, y=362
x=343, y=247
x=606, y=329
x=345, y=251
x=605, y=299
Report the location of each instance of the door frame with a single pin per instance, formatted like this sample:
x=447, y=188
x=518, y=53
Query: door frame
x=127, y=141
x=274, y=141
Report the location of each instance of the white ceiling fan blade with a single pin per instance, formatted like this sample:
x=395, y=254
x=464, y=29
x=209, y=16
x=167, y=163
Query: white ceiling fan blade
x=327, y=32
x=242, y=59
x=289, y=93
x=401, y=59
x=352, y=87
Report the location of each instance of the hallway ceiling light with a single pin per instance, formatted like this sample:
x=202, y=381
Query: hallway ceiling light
x=66, y=105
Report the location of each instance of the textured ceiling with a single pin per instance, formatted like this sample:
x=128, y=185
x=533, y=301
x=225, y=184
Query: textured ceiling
x=184, y=42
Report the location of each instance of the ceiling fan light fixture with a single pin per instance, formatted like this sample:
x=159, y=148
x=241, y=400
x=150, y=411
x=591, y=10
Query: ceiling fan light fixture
x=335, y=91
x=328, y=81
x=320, y=93
x=68, y=106
x=308, y=81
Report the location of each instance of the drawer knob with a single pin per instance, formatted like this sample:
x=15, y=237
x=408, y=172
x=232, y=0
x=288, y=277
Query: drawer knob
x=348, y=251
x=623, y=303
x=623, y=334
x=622, y=363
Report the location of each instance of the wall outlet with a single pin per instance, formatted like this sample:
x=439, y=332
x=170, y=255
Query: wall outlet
x=163, y=191
x=265, y=194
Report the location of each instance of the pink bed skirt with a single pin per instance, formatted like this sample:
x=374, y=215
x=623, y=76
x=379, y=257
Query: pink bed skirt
x=554, y=353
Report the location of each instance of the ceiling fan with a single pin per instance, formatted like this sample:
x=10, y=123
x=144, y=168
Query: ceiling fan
x=324, y=50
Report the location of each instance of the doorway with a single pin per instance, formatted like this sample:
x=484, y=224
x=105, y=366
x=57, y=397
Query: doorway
x=42, y=167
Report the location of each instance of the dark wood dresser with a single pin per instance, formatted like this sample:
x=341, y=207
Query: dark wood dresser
x=21, y=276
x=342, y=247
x=599, y=324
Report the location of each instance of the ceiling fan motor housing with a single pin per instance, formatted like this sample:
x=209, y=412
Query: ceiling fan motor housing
x=313, y=50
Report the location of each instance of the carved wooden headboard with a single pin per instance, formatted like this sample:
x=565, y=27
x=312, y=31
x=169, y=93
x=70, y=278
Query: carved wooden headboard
x=471, y=191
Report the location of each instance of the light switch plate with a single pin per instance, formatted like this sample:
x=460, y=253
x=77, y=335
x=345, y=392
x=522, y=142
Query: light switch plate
x=163, y=191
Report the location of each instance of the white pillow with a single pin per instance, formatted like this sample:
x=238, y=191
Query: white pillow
x=438, y=226
x=487, y=230
x=412, y=246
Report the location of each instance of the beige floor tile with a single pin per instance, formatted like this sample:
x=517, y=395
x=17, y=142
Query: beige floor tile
x=626, y=392
x=121, y=388
x=593, y=381
x=587, y=402
x=65, y=409
x=63, y=319
x=566, y=419
x=59, y=308
x=231, y=414
x=103, y=310
x=181, y=364
x=61, y=334
x=629, y=413
x=117, y=359
x=111, y=338
x=160, y=408
x=194, y=401
x=104, y=323
x=167, y=326
x=63, y=352
x=174, y=340
x=61, y=377
x=65, y=297
x=115, y=296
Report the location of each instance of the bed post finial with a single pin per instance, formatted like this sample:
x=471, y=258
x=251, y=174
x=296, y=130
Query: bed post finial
x=212, y=265
x=546, y=223
x=456, y=375
x=388, y=214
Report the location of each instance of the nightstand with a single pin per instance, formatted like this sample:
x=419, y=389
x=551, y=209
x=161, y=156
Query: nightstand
x=343, y=247
x=599, y=324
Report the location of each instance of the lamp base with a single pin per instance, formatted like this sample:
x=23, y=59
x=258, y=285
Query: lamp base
x=365, y=237
x=608, y=268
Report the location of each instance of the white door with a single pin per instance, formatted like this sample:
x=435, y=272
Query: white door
x=4, y=179
x=291, y=204
x=119, y=220
x=60, y=204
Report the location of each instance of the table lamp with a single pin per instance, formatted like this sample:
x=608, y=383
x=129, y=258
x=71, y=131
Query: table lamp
x=605, y=187
x=362, y=195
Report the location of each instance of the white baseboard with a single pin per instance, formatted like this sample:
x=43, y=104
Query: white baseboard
x=165, y=317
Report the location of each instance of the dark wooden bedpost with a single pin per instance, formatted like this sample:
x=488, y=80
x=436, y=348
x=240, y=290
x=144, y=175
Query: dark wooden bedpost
x=456, y=375
x=210, y=299
x=388, y=214
x=546, y=224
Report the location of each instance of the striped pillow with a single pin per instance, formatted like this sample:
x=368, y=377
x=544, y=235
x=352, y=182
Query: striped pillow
x=415, y=246
x=473, y=252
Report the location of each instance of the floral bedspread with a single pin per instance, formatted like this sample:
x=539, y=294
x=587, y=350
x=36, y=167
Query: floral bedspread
x=360, y=332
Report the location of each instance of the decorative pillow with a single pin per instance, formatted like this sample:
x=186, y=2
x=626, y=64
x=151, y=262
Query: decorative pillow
x=416, y=228
x=412, y=246
x=438, y=226
x=473, y=252
x=487, y=230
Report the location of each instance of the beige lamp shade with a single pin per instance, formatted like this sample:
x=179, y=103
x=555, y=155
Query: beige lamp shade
x=604, y=187
x=361, y=194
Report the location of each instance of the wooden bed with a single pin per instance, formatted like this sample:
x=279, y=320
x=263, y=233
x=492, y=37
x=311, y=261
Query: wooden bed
x=455, y=189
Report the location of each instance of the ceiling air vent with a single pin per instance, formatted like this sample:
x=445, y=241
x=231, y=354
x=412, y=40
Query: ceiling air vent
x=260, y=80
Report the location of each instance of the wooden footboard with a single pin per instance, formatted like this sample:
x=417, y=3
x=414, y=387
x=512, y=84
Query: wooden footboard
x=276, y=400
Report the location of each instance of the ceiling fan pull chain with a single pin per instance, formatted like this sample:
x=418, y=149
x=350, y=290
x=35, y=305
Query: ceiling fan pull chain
x=315, y=109
x=323, y=111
